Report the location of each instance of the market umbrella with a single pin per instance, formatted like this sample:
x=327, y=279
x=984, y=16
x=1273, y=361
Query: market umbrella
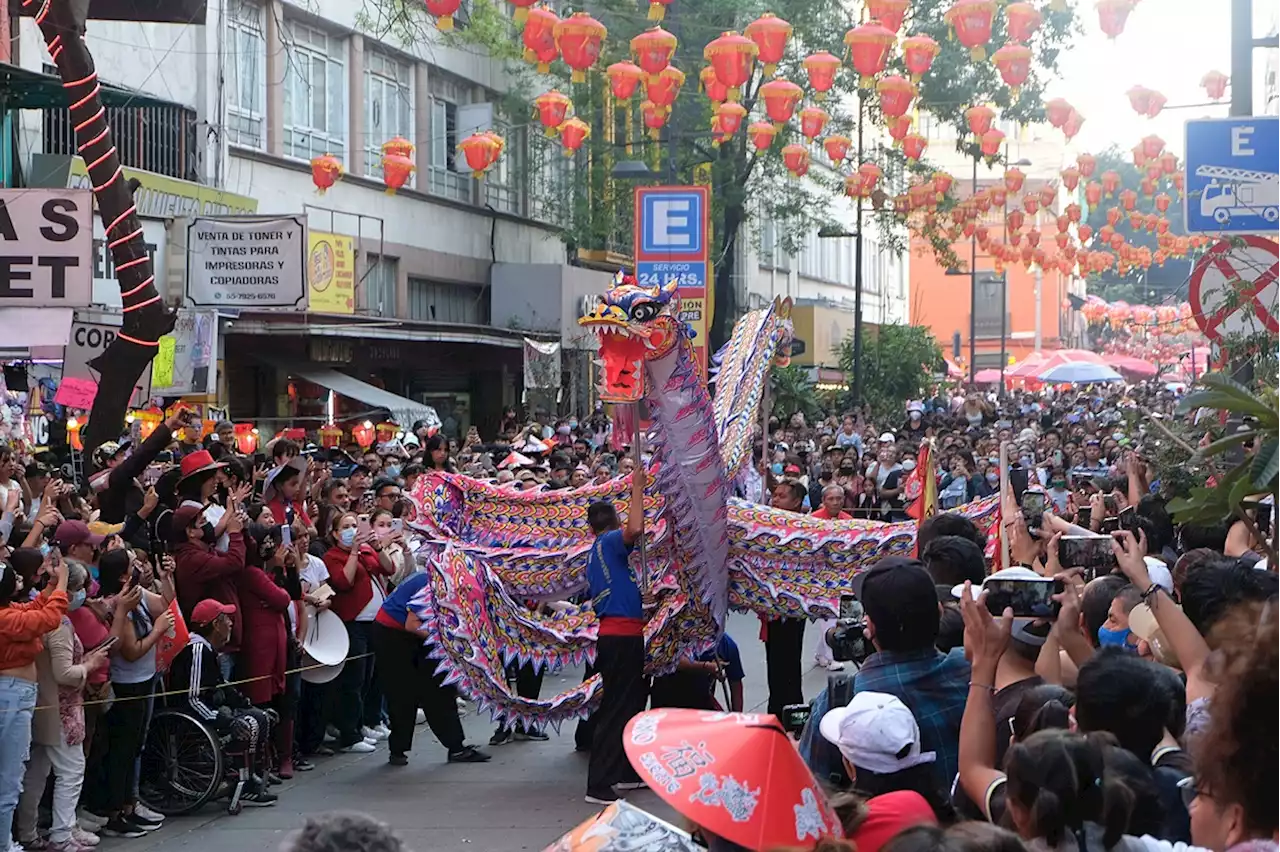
x=1037, y=362
x=1080, y=373
x=953, y=369
x=623, y=827
x=987, y=377
x=737, y=775
x=1134, y=368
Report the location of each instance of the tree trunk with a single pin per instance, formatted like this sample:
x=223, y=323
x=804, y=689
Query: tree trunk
x=726, y=301
x=146, y=318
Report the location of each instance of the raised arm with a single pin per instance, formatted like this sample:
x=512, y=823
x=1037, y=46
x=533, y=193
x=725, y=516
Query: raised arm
x=635, y=509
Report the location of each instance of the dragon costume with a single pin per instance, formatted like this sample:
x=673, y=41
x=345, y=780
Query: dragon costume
x=490, y=550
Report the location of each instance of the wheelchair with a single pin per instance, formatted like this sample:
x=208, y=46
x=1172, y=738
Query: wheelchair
x=186, y=764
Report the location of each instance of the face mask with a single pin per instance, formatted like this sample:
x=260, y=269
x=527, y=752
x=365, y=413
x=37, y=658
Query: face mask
x=573, y=424
x=393, y=471
x=563, y=430
x=908, y=464
x=993, y=478
x=1115, y=638
x=206, y=533
x=915, y=415
x=77, y=599
x=1058, y=484
x=347, y=537
x=777, y=468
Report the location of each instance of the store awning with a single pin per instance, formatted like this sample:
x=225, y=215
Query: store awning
x=21, y=88
x=404, y=411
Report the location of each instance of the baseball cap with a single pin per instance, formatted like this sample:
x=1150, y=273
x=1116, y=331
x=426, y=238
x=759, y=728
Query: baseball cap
x=71, y=533
x=792, y=469
x=888, y=814
x=181, y=520
x=209, y=609
x=1017, y=572
x=887, y=438
x=876, y=732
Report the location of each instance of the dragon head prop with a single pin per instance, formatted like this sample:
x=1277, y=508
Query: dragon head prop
x=633, y=324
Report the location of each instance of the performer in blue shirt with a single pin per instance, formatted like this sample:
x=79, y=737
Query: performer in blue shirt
x=620, y=647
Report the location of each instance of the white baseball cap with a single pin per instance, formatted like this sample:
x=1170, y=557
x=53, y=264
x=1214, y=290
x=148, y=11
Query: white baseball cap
x=875, y=732
x=888, y=438
x=1017, y=572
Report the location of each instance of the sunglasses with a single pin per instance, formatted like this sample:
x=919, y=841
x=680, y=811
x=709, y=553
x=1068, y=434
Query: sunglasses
x=1189, y=789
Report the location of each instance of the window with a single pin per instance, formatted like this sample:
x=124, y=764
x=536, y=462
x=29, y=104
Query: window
x=441, y=301
x=550, y=194
x=380, y=285
x=315, y=93
x=501, y=182
x=246, y=83
x=987, y=317
x=388, y=106
x=446, y=95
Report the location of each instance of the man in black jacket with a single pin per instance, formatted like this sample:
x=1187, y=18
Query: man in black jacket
x=200, y=689
x=119, y=492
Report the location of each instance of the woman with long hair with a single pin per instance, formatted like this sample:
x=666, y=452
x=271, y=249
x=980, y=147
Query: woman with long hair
x=23, y=625
x=265, y=598
x=435, y=455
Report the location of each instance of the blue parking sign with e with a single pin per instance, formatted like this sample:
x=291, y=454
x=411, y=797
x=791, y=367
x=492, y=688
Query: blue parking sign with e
x=1232, y=181
x=672, y=223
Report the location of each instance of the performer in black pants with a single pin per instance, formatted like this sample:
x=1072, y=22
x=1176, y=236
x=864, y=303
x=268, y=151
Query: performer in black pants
x=620, y=647
x=784, y=637
x=409, y=680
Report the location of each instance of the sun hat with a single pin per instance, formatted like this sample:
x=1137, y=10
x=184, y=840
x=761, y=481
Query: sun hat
x=198, y=462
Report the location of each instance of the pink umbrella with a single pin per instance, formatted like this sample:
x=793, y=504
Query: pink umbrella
x=1038, y=362
x=1133, y=368
x=953, y=369
x=987, y=377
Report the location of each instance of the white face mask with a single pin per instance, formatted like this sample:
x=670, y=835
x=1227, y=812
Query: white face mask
x=908, y=465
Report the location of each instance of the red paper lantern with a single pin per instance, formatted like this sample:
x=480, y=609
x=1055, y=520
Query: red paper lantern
x=1139, y=155
x=1063, y=223
x=895, y=95
x=918, y=53
x=1031, y=203
x=1073, y=212
x=821, y=68
x=979, y=119
x=711, y=86
x=539, y=38
x=552, y=107
x=481, y=151
x=1084, y=232
x=1151, y=222
x=1110, y=182
x=658, y=9
x=396, y=171
x=325, y=171
x=1146, y=101
x=899, y=128
x=1112, y=15
x=653, y=49
x=796, y=159
x=891, y=13
x=662, y=88
x=971, y=20
x=869, y=45
x=624, y=77
x=1070, y=178
x=1168, y=163
x=837, y=148
x=572, y=134
x=1013, y=61
x=246, y=434
x=813, y=120
x=1113, y=216
x=733, y=56
x=780, y=98
x=730, y=116
x=1033, y=237
x=761, y=134
x=1021, y=21
x=1014, y=220
x=443, y=11
x=1013, y=179
x=364, y=434
x=997, y=195
x=330, y=435
x=655, y=118
x=913, y=146
x=578, y=38
x=1057, y=111
x=1048, y=195
x=991, y=141
x=1162, y=202
x=1087, y=164
x=1072, y=125
x=869, y=174
x=1152, y=146
x=942, y=182
x=770, y=34
x=1128, y=199
x=1215, y=85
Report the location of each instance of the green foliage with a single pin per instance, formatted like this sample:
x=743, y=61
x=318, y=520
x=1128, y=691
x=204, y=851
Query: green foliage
x=898, y=364
x=790, y=391
x=745, y=184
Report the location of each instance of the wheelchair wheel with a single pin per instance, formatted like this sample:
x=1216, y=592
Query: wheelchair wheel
x=182, y=764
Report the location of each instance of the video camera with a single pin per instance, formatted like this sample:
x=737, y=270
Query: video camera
x=848, y=643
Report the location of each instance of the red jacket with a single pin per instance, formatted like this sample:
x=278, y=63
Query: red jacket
x=351, y=597
x=263, y=606
x=201, y=572
x=278, y=511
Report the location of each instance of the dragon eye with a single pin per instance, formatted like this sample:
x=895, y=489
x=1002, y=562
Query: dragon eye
x=644, y=311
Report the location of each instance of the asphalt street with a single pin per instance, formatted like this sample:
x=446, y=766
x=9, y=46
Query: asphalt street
x=523, y=799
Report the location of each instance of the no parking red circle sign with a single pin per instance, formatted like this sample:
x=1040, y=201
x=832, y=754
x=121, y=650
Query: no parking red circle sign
x=1235, y=288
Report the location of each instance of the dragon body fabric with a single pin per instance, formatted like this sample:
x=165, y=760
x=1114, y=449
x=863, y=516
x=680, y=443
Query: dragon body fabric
x=490, y=552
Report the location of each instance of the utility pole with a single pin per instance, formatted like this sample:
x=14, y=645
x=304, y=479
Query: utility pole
x=1242, y=45
x=857, y=277
x=973, y=286
x=146, y=318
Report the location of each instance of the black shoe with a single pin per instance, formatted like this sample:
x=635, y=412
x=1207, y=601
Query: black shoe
x=468, y=754
x=532, y=734
x=324, y=751
x=398, y=759
x=273, y=778
x=118, y=826
x=142, y=822
x=502, y=736
x=301, y=764
x=258, y=798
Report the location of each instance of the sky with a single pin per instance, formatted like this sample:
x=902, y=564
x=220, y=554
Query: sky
x=1167, y=45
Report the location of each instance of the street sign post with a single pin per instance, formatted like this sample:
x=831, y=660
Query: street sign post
x=1234, y=289
x=672, y=240
x=1232, y=185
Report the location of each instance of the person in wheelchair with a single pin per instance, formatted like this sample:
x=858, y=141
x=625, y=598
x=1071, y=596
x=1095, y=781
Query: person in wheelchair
x=199, y=688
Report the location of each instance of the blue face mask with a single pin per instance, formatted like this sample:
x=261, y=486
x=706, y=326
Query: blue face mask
x=77, y=599
x=347, y=537
x=777, y=468
x=1115, y=638
x=393, y=471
